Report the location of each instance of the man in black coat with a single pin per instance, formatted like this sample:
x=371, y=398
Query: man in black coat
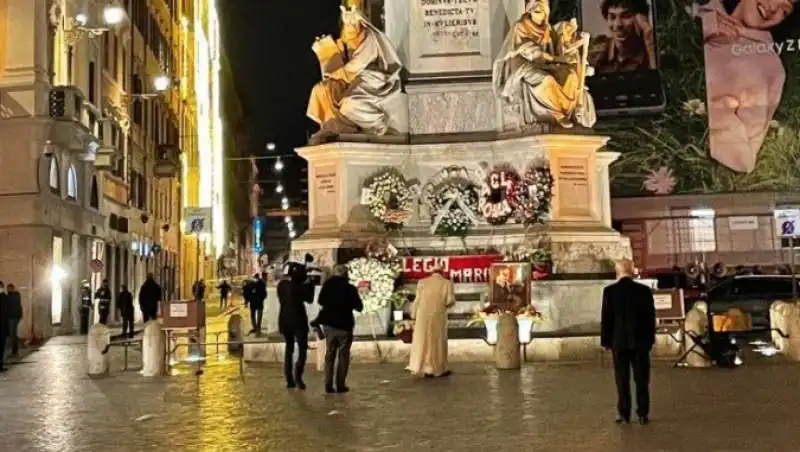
x=338, y=299
x=293, y=294
x=629, y=330
x=103, y=297
x=125, y=306
x=257, y=293
x=149, y=298
x=14, y=313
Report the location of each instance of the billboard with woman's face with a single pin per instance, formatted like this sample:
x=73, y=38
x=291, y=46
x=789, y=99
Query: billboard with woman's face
x=731, y=76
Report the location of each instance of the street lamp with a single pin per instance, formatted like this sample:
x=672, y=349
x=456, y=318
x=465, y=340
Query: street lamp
x=270, y=147
x=278, y=165
x=113, y=14
x=287, y=219
x=279, y=189
x=81, y=19
x=292, y=234
x=161, y=83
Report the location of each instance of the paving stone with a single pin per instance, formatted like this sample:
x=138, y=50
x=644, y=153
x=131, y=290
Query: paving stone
x=50, y=404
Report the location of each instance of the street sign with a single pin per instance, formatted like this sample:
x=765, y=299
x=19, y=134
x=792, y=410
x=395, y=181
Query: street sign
x=197, y=220
x=787, y=222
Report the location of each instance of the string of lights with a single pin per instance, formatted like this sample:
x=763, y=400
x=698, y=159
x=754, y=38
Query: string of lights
x=279, y=189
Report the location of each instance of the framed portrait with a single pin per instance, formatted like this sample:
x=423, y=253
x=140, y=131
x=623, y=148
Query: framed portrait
x=510, y=284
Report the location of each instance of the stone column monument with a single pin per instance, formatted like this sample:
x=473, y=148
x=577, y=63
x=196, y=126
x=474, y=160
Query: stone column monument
x=463, y=91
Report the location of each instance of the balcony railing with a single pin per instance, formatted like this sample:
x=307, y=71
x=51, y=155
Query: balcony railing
x=168, y=162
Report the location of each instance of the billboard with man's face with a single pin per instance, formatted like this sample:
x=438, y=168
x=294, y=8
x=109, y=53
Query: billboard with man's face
x=730, y=71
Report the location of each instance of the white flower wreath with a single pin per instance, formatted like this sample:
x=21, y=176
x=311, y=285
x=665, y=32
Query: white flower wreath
x=390, y=198
x=374, y=280
x=455, y=207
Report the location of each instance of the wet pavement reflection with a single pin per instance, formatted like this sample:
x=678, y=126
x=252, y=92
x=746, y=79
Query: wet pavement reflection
x=50, y=404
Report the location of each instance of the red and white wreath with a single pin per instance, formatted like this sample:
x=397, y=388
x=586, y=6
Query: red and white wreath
x=500, y=195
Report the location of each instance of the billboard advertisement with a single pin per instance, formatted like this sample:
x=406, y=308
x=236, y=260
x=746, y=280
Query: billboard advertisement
x=697, y=96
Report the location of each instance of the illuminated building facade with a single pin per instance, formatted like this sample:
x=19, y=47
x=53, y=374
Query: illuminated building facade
x=104, y=106
x=204, y=166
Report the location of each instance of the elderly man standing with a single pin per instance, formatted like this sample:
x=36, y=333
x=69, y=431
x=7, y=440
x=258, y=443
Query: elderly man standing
x=629, y=330
x=429, y=344
x=338, y=299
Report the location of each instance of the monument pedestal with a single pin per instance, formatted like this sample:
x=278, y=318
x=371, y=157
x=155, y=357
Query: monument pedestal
x=580, y=217
x=584, y=246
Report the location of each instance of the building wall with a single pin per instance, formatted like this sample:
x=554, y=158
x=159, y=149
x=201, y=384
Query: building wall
x=667, y=231
x=60, y=210
x=46, y=188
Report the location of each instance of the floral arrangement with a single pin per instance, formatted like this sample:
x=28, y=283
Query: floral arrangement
x=402, y=326
x=535, y=250
x=455, y=205
x=535, y=196
x=492, y=312
x=389, y=198
x=400, y=298
x=382, y=250
x=374, y=280
x=500, y=195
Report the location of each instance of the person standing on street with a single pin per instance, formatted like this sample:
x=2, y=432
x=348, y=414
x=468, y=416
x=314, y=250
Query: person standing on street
x=258, y=293
x=628, y=329
x=103, y=297
x=86, y=306
x=429, y=344
x=293, y=323
x=149, y=298
x=125, y=306
x=199, y=290
x=338, y=299
x=14, y=301
x=3, y=325
x=224, y=292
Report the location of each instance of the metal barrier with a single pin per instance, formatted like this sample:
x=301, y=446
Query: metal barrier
x=125, y=345
x=169, y=351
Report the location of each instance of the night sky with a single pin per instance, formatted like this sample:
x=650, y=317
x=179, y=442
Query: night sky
x=268, y=43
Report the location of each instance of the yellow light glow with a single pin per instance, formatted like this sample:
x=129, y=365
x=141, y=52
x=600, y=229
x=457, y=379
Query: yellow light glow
x=218, y=151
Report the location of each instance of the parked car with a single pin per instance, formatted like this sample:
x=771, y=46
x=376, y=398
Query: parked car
x=753, y=294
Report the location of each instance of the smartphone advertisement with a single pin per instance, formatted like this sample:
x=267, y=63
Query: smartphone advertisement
x=729, y=76
x=624, y=55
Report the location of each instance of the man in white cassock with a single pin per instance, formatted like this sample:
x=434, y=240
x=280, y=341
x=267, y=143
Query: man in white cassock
x=429, y=345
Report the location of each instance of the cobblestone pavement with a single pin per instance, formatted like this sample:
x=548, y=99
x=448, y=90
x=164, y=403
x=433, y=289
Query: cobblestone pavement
x=49, y=404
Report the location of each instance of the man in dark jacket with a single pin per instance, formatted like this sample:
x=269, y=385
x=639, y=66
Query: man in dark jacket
x=338, y=299
x=629, y=330
x=103, y=297
x=125, y=306
x=293, y=323
x=258, y=293
x=14, y=300
x=199, y=290
x=149, y=298
x=224, y=291
x=86, y=306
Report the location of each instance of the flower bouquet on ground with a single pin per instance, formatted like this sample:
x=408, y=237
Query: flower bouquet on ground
x=490, y=312
x=404, y=330
x=398, y=300
x=529, y=312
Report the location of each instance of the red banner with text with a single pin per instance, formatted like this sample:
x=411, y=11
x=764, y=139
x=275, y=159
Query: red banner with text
x=461, y=269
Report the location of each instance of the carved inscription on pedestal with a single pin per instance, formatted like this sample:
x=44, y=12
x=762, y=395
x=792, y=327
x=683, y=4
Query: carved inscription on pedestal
x=449, y=35
x=573, y=187
x=451, y=27
x=325, y=195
